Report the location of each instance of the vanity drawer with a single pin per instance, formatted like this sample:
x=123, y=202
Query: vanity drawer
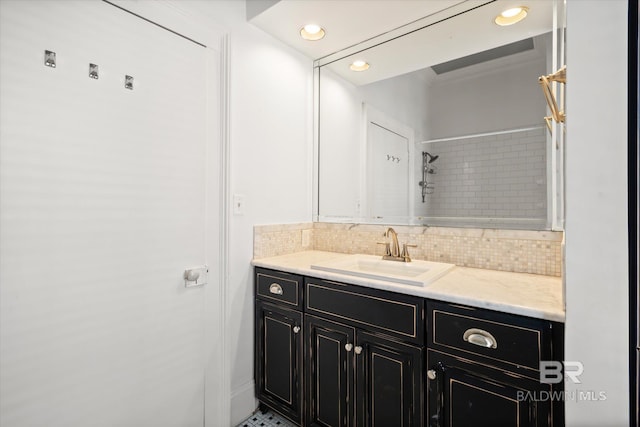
x=393, y=314
x=500, y=338
x=277, y=286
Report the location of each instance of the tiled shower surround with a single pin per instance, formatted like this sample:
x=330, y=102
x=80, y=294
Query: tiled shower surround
x=523, y=251
x=500, y=176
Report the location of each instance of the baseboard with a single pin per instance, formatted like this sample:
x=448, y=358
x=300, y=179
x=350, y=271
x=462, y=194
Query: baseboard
x=243, y=402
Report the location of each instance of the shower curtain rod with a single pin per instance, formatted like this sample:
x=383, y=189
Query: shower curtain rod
x=499, y=132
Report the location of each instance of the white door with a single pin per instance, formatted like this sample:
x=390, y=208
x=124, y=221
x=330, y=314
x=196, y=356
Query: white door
x=389, y=174
x=389, y=166
x=102, y=206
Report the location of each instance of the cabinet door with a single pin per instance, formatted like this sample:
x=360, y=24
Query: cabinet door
x=389, y=385
x=329, y=373
x=461, y=394
x=279, y=359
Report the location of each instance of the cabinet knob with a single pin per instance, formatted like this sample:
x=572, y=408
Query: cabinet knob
x=296, y=329
x=431, y=374
x=357, y=349
x=348, y=346
x=275, y=289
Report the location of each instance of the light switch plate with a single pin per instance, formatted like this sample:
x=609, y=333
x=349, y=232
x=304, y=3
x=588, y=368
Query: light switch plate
x=238, y=204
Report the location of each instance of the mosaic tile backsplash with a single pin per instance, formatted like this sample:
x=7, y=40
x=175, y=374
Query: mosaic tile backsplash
x=522, y=251
x=273, y=240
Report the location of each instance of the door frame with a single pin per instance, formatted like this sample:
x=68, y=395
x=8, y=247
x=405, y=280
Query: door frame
x=634, y=214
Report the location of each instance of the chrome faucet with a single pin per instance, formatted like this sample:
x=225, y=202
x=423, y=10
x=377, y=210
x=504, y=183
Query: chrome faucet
x=392, y=249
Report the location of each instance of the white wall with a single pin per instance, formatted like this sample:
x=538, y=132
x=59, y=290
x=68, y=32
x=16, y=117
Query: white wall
x=484, y=101
x=341, y=133
x=404, y=98
x=271, y=153
x=596, y=210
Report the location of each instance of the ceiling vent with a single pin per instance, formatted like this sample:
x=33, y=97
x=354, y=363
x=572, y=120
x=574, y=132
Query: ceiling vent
x=487, y=55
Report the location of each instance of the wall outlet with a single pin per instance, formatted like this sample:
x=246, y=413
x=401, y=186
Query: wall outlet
x=306, y=239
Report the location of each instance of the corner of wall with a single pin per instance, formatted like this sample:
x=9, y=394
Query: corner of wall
x=243, y=402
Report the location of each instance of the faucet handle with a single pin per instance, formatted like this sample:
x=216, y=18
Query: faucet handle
x=405, y=251
x=387, y=247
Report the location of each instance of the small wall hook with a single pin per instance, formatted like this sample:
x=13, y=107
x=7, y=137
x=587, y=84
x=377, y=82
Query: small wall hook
x=128, y=82
x=93, y=71
x=50, y=59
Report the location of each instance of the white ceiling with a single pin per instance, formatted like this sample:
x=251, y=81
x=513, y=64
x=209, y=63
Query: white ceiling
x=347, y=22
x=469, y=30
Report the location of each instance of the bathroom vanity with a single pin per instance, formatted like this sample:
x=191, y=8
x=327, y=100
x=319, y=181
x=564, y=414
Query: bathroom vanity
x=337, y=350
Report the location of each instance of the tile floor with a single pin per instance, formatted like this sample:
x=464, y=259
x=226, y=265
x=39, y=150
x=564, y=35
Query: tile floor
x=268, y=419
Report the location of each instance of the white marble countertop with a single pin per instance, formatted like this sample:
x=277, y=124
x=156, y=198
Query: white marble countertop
x=518, y=293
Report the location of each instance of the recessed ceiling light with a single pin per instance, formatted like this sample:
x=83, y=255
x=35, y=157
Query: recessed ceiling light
x=312, y=32
x=359, y=65
x=511, y=16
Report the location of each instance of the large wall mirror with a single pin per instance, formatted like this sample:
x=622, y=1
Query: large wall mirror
x=446, y=125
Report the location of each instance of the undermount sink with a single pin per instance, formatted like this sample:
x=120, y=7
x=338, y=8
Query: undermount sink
x=415, y=273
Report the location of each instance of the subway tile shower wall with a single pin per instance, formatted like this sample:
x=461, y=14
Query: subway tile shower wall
x=501, y=178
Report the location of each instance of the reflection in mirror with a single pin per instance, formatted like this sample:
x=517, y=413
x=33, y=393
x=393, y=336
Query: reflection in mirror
x=461, y=142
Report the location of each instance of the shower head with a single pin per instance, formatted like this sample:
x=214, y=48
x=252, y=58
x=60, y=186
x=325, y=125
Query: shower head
x=428, y=158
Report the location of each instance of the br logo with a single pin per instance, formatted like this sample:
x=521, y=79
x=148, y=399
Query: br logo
x=551, y=371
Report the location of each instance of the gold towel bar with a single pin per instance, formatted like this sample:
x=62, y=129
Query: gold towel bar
x=559, y=76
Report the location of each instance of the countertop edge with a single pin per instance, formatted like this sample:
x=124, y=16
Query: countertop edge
x=448, y=288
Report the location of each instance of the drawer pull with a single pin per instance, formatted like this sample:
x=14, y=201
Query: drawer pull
x=275, y=289
x=296, y=329
x=431, y=374
x=357, y=349
x=348, y=346
x=480, y=337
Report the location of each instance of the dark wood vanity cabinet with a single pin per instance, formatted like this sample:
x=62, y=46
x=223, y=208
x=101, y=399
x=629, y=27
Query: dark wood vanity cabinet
x=358, y=378
x=389, y=378
x=339, y=355
x=483, y=369
x=279, y=343
x=329, y=373
x=364, y=361
x=463, y=393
